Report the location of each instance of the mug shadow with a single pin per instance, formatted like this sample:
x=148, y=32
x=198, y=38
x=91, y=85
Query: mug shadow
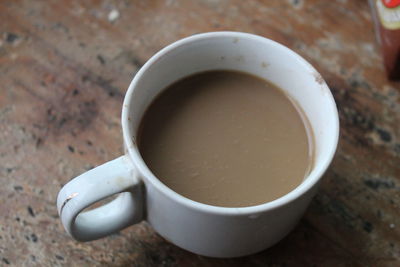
x=304, y=246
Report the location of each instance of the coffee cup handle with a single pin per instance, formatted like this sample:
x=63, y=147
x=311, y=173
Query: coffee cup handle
x=116, y=176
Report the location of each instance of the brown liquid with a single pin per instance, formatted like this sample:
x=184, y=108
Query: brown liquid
x=226, y=139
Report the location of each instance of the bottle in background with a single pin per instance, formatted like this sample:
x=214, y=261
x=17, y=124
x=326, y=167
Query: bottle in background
x=386, y=15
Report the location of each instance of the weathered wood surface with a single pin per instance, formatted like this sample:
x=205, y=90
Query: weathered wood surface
x=64, y=69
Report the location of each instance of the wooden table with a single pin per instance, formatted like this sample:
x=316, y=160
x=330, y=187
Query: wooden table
x=64, y=69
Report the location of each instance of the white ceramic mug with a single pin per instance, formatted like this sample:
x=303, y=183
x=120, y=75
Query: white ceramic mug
x=200, y=228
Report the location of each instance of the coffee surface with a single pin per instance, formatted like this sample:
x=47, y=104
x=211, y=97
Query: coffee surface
x=226, y=139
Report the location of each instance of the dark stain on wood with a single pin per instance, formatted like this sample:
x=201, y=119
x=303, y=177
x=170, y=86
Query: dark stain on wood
x=34, y=238
x=18, y=188
x=384, y=135
x=70, y=115
x=11, y=37
x=30, y=211
x=59, y=257
x=101, y=59
x=379, y=183
x=71, y=149
x=368, y=227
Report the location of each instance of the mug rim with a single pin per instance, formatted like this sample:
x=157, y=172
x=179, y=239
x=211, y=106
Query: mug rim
x=147, y=175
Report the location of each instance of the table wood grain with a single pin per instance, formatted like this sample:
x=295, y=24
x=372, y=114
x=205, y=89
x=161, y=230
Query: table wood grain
x=66, y=64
